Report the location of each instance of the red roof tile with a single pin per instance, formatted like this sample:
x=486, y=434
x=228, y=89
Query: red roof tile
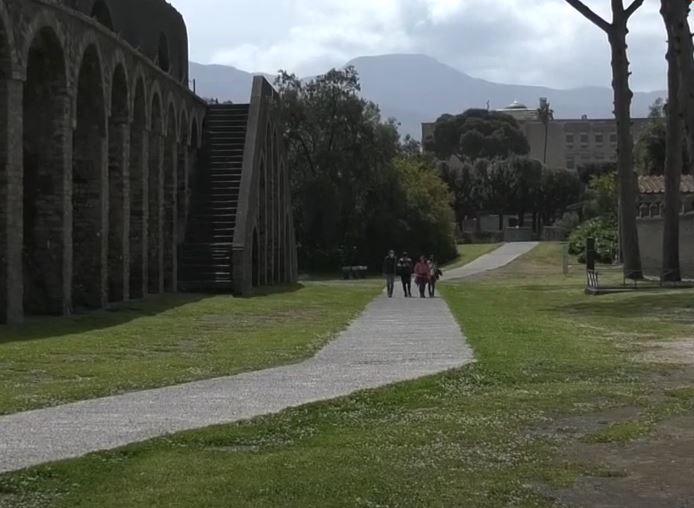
x=656, y=184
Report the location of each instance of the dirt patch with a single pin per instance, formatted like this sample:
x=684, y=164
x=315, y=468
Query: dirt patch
x=649, y=473
x=679, y=352
x=578, y=427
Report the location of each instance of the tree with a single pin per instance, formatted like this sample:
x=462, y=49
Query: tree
x=651, y=145
x=527, y=175
x=426, y=216
x=670, y=12
x=350, y=192
x=586, y=172
x=617, y=34
x=545, y=114
x=478, y=133
x=558, y=189
x=502, y=186
x=685, y=59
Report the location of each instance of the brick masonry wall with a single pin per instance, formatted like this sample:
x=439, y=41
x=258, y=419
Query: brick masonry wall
x=69, y=236
x=651, y=244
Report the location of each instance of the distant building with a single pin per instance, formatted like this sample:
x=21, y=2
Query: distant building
x=570, y=142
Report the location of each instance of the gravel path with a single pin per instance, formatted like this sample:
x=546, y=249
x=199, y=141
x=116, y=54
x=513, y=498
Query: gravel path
x=394, y=340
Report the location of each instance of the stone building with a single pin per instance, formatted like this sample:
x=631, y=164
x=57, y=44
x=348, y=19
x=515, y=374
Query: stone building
x=650, y=223
x=570, y=142
x=116, y=181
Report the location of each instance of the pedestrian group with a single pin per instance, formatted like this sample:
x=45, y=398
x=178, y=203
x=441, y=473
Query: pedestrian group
x=425, y=272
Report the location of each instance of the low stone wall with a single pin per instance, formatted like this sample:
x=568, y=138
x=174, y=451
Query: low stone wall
x=518, y=235
x=651, y=244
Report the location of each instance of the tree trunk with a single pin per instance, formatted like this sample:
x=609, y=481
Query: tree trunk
x=478, y=223
x=680, y=12
x=625, y=146
x=673, y=155
x=501, y=221
x=544, y=159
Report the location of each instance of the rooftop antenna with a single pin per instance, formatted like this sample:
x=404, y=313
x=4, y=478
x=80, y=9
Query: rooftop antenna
x=488, y=106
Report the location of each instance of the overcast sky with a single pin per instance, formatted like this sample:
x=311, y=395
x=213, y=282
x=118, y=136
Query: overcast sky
x=542, y=42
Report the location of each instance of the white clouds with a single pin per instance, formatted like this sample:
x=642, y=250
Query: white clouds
x=524, y=41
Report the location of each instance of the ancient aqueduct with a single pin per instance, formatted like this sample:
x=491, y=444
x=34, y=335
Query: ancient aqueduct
x=116, y=180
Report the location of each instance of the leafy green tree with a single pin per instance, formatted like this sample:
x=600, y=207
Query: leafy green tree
x=478, y=133
x=558, y=189
x=527, y=175
x=350, y=191
x=426, y=217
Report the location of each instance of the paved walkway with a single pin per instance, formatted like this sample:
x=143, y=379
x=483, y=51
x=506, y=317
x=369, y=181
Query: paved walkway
x=495, y=259
x=393, y=340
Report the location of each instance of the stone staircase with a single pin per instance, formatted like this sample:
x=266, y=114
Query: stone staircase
x=205, y=263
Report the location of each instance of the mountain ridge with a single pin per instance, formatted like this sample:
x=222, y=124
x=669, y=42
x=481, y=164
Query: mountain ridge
x=416, y=88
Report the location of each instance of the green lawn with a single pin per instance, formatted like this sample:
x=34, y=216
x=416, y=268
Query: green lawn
x=169, y=340
x=477, y=436
x=469, y=252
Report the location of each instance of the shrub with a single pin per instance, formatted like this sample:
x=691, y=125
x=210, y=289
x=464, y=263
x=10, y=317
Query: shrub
x=568, y=222
x=604, y=230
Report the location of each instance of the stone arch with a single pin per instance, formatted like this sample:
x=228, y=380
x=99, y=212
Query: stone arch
x=45, y=136
x=154, y=192
x=284, y=230
x=7, y=45
x=183, y=169
x=138, y=82
x=89, y=167
x=193, y=155
x=44, y=23
x=6, y=71
x=262, y=222
x=88, y=42
x=102, y=14
x=276, y=209
x=163, y=53
x=194, y=133
x=118, y=184
x=255, y=260
x=169, y=232
x=138, y=179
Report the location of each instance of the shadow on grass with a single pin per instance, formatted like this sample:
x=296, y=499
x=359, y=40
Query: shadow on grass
x=43, y=327
x=276, y=290
x=658, y=303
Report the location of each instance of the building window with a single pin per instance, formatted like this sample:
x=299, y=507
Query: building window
x=569, y=139
x=584, y=139
x=570, y=163
x=599, y=139
x=613, y=138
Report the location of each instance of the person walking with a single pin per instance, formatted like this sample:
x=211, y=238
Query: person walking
x=435, y=274
x=422, y=275
x=405, y=269
x=390, y=268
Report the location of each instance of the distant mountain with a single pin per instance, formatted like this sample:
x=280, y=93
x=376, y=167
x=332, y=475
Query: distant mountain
x=417, y=88
x=221, y=82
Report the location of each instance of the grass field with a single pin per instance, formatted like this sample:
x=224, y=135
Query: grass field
x=483, y=435
x=169, y=340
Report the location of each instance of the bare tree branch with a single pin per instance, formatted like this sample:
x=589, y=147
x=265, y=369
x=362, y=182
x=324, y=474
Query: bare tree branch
x=591, y=16
x=633, y=8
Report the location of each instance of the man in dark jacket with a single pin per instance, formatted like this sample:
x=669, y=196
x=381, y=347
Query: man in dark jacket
x=390, y=268
x=405, y=266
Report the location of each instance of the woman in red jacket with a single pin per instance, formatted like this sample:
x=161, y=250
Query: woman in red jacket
x=422, y=273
